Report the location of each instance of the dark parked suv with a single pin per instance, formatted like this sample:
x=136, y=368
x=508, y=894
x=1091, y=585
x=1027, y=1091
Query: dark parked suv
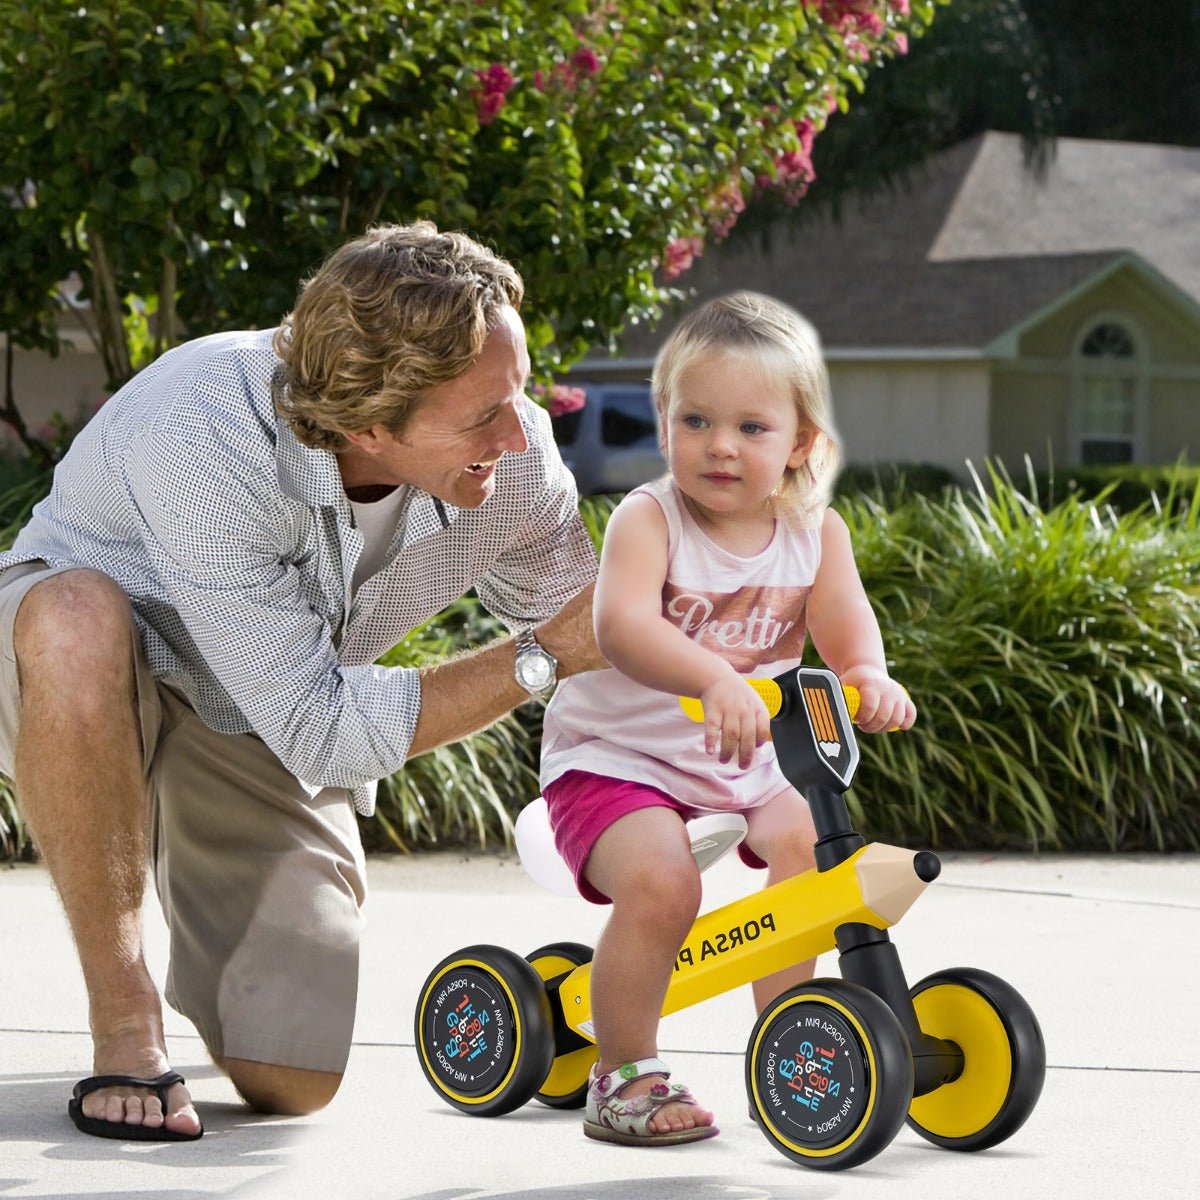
x=610, y=444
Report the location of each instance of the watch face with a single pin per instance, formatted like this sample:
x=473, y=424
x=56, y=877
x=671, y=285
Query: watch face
x=535, y=671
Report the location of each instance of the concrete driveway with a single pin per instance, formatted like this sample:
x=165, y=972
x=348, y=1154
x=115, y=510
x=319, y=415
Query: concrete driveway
x=1104, y=948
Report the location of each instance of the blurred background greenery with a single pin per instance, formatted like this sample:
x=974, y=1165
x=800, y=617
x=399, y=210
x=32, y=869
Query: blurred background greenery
x=1052, y=651
x=185, y=162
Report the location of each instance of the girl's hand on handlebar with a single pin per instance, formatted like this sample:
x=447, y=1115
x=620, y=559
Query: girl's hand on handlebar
x=735, y=720
x=883, y=703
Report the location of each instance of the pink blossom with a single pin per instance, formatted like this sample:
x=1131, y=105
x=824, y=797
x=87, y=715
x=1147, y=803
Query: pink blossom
x=726, y=206
x=488, y=104
x=679, y=256
x=565, y=399
x=563, y=75
x=497, y=78
x=901, y=43
x=794, y=166
x=853, y=17
x=586, y=61
x=857, y=48
x=806, y=131
x=497, y=81
x=900, y=7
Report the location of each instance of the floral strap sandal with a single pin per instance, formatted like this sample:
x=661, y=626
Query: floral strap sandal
x=611, y=1118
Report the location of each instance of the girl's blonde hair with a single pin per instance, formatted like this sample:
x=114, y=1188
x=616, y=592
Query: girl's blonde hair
x=780, y=346
x=384, y=319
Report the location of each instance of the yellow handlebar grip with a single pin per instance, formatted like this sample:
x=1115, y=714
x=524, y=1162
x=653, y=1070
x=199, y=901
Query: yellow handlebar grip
x=772, y=697
x=769, y=691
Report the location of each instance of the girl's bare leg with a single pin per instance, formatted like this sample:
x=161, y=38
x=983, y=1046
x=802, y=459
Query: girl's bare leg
x=643, y=862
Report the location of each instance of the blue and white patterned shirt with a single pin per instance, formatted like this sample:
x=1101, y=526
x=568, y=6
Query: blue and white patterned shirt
x=237, y=547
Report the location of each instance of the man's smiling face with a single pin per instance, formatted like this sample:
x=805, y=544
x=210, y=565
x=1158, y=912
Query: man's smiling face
x=456, y=434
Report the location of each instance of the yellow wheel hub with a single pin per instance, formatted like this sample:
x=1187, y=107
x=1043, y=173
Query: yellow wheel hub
x=969, y=1104
x=570, y=1071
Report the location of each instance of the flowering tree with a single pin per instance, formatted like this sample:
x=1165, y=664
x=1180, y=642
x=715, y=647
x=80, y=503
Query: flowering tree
x=190, y=160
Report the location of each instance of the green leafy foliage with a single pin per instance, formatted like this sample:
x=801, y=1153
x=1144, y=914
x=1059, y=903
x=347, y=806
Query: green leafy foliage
x=1053, y=657
x=191, y=160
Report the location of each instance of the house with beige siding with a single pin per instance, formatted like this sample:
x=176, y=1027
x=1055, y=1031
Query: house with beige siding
x=980, y=310
x=985, y=310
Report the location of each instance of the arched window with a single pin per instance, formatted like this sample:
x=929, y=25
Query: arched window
x=1108, y=390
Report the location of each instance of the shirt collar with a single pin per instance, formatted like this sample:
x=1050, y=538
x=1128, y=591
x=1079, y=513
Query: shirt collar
x=312, y=477
x=305, y=474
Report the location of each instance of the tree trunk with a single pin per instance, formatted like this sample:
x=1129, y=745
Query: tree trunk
x=167, y=326
x=38, y=450
x=114, y=347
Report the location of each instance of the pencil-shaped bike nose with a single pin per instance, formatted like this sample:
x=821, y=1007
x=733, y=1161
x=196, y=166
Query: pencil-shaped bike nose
x=891, y=879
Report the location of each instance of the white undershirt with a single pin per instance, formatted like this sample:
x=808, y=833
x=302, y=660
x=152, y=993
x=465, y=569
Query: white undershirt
x=377, y=524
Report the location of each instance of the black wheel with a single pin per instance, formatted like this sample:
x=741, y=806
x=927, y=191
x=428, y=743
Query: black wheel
x=566, y=1084
x=485, y=1037
x=1004, y=1059
x=829, y=1074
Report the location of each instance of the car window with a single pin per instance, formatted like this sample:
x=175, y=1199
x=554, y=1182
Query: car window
x=566, y=427
x=626, y=417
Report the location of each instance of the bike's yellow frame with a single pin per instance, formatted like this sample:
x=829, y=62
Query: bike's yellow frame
x=770, y=930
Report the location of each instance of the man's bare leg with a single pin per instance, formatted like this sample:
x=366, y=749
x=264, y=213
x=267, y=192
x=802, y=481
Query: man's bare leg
x=78, y=774
x=286, y=1091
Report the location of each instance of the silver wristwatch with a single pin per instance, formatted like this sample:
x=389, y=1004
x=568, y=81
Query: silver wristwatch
x=535, y=668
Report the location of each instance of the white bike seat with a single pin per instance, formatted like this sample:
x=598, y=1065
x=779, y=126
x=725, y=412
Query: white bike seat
x=712, y=836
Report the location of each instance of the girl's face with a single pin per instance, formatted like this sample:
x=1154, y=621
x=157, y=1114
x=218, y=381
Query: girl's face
x=730, y=435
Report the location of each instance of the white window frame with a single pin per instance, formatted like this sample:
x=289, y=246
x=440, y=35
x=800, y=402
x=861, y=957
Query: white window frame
x=1135, y=369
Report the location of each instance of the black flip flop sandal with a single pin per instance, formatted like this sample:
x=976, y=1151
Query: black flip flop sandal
x=120, y=1130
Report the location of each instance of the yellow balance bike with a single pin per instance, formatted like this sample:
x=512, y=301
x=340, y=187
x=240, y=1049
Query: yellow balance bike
x=834, y=1067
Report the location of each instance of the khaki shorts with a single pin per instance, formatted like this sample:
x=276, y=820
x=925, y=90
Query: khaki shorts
x=262, y=886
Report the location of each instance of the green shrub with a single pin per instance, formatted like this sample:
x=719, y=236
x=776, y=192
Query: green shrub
x=893, y=483
x=1053, y=659
x=1125, y=489
x=1052, y=656
x=24, y=486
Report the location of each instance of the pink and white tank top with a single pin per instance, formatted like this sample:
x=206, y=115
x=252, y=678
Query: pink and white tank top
x=751, y=611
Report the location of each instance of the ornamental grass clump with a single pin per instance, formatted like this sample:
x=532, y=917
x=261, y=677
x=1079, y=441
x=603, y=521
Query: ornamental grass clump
x=465, y=792
x=471, y=791
x=1053, y=658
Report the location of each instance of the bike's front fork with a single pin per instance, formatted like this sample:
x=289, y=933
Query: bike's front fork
x=868, y=957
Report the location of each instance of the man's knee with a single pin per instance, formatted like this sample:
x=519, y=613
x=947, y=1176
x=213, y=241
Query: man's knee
x=282, y=1091
x=78, y=621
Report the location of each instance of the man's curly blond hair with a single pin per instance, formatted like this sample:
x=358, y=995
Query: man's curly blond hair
x=384, y=319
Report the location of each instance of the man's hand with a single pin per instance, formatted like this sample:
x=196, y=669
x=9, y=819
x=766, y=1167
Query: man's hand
x=883, y=703
x=735, y=719
x=466, y=694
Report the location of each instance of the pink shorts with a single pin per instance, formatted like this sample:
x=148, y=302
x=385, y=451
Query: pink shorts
x=582, y=806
